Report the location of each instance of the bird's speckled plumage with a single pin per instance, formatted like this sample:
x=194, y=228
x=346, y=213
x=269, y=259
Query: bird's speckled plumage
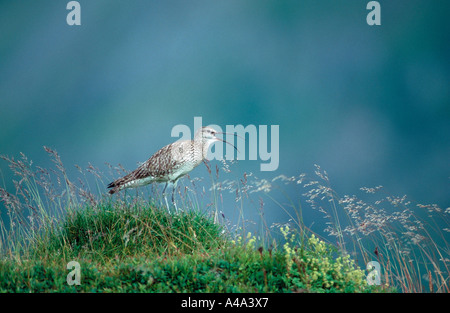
x=170, y=162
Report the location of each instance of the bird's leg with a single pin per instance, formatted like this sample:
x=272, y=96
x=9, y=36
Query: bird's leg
x=164, y=190
x=173, y=196
x=167, y=203
x=165, y=197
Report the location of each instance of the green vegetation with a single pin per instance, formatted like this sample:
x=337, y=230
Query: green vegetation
x=141, y=248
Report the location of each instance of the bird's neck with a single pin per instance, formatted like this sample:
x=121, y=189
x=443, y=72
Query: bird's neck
x=204, y=146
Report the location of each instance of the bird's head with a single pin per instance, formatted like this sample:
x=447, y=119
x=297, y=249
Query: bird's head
x=208, y=134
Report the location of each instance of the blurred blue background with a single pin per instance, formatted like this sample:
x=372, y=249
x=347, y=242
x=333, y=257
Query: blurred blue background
x=369, y=104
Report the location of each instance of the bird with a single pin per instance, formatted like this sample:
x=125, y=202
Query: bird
x=170, y=163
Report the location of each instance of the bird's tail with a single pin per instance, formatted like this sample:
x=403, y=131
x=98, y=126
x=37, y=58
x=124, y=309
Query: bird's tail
x=114, y=187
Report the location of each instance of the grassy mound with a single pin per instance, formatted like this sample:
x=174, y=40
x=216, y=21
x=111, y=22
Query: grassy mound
x=141, y=248
x=114, y=232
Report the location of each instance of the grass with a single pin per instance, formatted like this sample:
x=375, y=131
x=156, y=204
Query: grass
x=409, y=240
x=131, y=244
x=144, y=249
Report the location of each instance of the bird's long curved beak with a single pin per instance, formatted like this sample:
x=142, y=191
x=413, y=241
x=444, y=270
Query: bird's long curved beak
x=227, y=141
x=218, y=139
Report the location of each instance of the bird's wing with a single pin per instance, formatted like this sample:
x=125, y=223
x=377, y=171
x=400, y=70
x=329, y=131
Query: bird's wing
x=164, y=161
x=161, y=164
